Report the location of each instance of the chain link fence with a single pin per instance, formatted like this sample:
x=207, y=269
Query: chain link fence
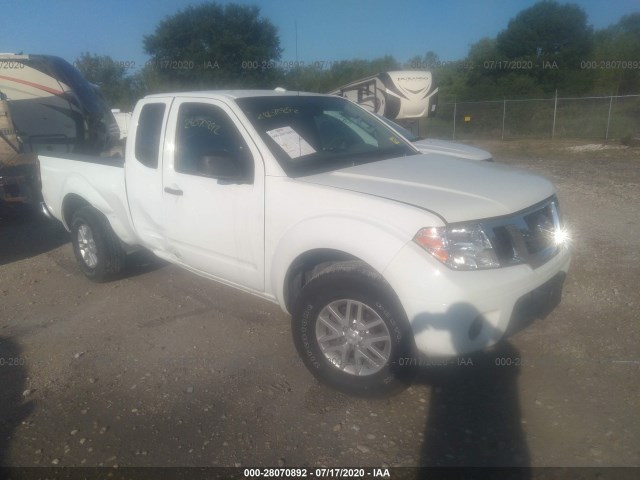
x=603, y=118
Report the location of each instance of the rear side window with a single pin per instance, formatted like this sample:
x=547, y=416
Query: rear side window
x=148, y=134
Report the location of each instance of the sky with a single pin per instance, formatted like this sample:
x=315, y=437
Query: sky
x=327, y=30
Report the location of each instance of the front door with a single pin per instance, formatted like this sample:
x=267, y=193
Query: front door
x=215, y=222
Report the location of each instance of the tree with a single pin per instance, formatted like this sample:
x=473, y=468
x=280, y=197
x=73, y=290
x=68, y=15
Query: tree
x=110, y=76
x=547, y=30
x=481, y=76
x=428, y=61
x=348, y=71
x=210, y=45
x=617, y=48
x=553, y=39
x=322, y=78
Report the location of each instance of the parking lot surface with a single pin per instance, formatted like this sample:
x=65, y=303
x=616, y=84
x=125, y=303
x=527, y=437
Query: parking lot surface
x=163, y=368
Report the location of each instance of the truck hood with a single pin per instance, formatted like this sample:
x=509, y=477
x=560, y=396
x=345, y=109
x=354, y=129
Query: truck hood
x=455, y=189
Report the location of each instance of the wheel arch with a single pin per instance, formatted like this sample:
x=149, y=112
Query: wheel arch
x=309, y=264
x=89, y=197
x=71, y=203
x=313, y=242
x=305, y=266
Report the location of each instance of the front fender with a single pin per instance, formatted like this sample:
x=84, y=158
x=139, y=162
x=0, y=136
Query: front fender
x=369, y=240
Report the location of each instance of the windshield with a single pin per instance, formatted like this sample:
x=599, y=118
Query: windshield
x=400, y=129
x=313, y=134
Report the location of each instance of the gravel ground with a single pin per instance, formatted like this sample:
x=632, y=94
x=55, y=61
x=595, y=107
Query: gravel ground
x=163, y=368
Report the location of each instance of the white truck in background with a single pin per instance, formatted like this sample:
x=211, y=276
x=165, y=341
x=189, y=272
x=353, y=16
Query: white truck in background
x=442, y=147
x=378, y=252
x=407, y=95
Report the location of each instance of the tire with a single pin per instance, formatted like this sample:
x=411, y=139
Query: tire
x=346, y=358
x=95, y=245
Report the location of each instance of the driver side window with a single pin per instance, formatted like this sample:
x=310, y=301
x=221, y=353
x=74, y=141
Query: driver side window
x=205, y=133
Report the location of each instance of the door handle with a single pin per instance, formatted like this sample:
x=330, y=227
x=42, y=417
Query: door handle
x=173, y=191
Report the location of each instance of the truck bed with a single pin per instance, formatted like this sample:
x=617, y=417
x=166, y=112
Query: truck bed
x=99, y=180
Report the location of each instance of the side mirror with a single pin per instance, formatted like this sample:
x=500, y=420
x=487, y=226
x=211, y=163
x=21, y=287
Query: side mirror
x=220, y=165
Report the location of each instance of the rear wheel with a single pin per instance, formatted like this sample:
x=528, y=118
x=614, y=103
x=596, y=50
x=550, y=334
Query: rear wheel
x=96, y=246
x=351, y=331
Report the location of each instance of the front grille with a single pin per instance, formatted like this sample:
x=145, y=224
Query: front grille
x=527, y=236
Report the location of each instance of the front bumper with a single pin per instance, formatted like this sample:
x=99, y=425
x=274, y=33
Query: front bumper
x=458, y=312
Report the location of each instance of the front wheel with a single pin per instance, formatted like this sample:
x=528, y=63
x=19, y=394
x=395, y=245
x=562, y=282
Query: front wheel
x=351, y=331
x=96, y=246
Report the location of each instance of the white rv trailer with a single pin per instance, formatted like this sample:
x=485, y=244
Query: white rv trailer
x=53, y=107
x=46, y=105
x=397, y=95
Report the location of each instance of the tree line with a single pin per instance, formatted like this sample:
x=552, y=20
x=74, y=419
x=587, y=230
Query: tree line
x=545, y=48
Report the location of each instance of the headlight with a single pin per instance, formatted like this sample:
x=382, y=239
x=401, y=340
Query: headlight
x=461, y=247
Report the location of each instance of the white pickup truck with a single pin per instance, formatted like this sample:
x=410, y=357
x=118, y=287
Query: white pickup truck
x=379, y=253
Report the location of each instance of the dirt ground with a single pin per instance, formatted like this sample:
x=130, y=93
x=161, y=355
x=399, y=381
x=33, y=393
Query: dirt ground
x=164, y=368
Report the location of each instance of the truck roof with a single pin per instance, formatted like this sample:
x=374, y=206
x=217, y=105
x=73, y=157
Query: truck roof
x=232, y=94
